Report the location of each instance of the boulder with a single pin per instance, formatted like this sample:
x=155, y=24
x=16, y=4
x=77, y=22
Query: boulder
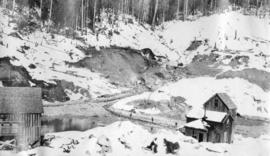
x=105, y=144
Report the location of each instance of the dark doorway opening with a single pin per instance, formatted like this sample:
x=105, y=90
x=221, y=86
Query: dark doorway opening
x=200, y=137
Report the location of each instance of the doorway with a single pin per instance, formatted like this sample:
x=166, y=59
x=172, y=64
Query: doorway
x=200, y=137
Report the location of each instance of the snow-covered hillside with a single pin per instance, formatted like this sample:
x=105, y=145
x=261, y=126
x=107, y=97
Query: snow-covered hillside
x=228, y=31
x=48, y=54
x=250, y=99
x=126, y=138
x=224, y=36
x=229, y=34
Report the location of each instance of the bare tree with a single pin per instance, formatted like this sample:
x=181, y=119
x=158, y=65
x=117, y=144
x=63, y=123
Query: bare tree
x=257, y=7
x=132, y=7
x=185, y=9
x=40, y=5
x=177, y=9
x=76, y=23
x=94, y=16
x=141, y=10
x=82, y=17
x=155, y=13
x=13, y=6
x=50, y=15
x=4, y=3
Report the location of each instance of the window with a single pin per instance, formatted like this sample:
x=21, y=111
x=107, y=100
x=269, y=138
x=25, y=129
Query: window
x=216, y=103
x=228, y=124
x=4, y=117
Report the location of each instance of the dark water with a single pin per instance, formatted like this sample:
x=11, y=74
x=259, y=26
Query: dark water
x=68, y=124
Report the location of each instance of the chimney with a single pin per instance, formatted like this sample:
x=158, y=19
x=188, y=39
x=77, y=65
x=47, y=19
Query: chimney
x=204, y=115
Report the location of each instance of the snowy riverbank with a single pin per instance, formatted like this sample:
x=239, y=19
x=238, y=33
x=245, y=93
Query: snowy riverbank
x=128, y=139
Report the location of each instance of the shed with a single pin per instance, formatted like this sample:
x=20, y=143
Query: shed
x=20, y=115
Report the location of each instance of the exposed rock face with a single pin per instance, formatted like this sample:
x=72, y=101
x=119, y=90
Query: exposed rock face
x=171, y=147
x=124, y=67
x=253, y=75
x=194, y=45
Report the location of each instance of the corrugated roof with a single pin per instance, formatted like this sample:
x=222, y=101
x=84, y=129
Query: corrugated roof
x=227, y=100
x=20, y=100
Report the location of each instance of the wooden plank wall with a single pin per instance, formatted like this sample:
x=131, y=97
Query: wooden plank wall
x=29, y=127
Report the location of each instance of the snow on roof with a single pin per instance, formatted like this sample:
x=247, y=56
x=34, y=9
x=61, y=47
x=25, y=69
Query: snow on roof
x=20, y=100
x=197, y=124
x=213, y=116
x=195, y=113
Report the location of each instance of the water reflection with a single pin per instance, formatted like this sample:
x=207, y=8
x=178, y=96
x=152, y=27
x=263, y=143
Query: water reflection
x=68, y=124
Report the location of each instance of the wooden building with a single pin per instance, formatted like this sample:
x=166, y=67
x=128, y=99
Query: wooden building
x=221, y=102
x=215, y=122
x=20, y=115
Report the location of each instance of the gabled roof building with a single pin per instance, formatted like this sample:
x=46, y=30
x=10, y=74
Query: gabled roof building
x=20, y=115
x=215, y=122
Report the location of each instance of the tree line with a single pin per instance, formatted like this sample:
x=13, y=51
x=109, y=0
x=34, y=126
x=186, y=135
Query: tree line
x=82, y=14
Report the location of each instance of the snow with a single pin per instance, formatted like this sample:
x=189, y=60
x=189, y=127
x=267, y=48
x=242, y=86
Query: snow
x=196, y=113
x=49, y=55
x=215, y=116
x=154, y=96
x=170, y=40
x=197, y=124
x=239, y=90
x=135, y=138
x=198, y=90
x=230, y=30
x=210, y=115
x=219, y=30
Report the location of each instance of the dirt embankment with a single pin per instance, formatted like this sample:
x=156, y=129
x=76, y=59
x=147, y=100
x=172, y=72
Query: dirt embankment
x=124, y=67
x=259, y=77
x=18, y=76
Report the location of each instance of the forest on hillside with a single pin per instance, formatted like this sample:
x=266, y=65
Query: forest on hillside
x=82, y=14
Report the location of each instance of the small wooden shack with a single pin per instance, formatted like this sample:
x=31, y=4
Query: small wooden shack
x=20, y=115
x=215, y=122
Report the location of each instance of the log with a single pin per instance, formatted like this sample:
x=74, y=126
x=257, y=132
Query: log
x=7, y=144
